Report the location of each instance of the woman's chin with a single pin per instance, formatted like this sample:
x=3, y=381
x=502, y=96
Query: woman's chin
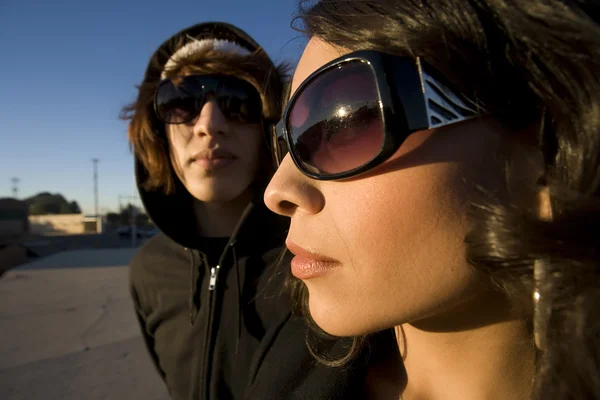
x=336, y=322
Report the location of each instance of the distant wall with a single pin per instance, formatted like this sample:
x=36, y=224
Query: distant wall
x=13, y=219
x=56, y=224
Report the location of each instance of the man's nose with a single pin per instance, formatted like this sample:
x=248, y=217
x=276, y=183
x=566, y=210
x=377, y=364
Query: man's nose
x=211, y=120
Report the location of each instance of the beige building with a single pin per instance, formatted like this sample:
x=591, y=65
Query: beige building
x=63, y=224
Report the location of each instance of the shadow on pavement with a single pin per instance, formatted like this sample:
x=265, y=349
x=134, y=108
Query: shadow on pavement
x=89, y=258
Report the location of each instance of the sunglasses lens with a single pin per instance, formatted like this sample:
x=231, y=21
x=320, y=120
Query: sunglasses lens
x=240, y=101
x=177, y=103
x=336, y=123
x=181, y=101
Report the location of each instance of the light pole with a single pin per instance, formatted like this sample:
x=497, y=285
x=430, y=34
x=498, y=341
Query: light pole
x=15, y=187
x=95, y=161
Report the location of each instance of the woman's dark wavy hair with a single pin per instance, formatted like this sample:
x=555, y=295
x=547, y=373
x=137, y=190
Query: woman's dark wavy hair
x=530, y=63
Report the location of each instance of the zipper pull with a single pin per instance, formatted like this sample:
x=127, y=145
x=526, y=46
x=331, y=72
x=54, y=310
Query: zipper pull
x=212, y=283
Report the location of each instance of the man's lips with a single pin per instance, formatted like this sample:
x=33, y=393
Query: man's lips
x=212, y=154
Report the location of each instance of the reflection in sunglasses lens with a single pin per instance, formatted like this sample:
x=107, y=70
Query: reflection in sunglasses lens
x=181, y=102
x=336, y=123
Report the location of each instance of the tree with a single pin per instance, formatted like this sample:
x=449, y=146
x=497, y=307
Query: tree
x=65, y=208
x=48, y=203
x=113, y=218
x=36, y=209
x=127, y=212
x=74, y=208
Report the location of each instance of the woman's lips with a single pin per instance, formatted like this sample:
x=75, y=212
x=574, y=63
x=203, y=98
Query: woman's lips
x=308, y=265
x=307, y=268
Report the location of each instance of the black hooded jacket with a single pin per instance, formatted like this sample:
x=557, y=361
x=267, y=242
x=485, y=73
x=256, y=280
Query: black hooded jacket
x=213, y=312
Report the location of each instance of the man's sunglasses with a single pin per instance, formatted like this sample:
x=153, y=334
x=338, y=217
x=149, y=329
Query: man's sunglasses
x=353, y=113
x=180, y=100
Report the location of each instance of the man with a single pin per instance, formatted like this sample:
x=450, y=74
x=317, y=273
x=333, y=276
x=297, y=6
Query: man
x=207, y=290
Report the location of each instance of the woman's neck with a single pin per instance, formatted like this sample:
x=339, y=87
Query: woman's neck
x=493, y=362
x=477, y=351
x=455, y=357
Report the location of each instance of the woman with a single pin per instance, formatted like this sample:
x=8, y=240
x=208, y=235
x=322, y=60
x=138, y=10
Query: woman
x=443, y=167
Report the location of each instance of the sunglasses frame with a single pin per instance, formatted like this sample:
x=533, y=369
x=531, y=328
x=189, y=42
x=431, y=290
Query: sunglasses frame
x=215, y=82
x=405, y=93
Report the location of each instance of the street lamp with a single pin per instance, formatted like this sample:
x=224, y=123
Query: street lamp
x=95, y=161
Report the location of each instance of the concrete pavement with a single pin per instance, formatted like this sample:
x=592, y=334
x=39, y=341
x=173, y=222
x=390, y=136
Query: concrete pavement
x=68, y=331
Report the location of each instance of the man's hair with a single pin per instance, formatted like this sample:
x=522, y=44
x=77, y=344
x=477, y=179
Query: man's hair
x=146, y=134
x=525, y=61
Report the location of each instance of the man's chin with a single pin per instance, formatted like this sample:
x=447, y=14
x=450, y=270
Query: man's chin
x=220, y=194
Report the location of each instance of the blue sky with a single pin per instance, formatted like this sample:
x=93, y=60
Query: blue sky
x=67, y=68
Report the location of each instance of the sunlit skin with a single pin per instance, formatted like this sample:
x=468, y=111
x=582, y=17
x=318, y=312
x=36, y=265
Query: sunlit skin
x=211, y=130
x=396, y=235
x=221, y=186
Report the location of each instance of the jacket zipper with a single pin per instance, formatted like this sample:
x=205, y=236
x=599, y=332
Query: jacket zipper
x=214, y=273
x=212, y=293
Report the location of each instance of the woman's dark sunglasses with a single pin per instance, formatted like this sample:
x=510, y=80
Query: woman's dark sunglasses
x=353, y=113
x=180, y=100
